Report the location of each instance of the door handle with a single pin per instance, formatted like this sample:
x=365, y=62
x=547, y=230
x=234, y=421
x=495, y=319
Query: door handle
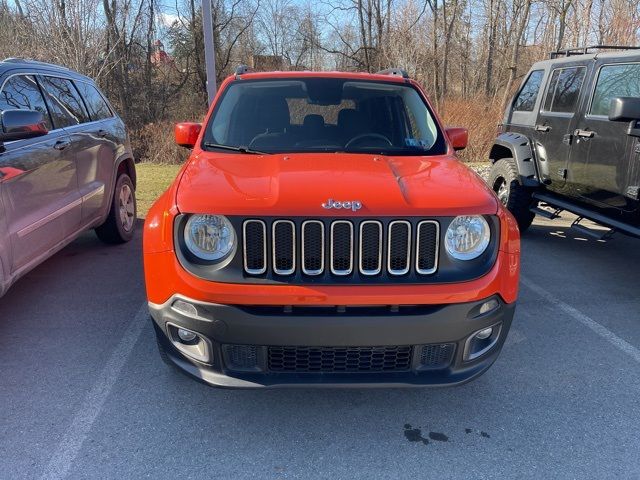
x=584, y=133
x=542, y=128
x=61, y=144
x=102, y=133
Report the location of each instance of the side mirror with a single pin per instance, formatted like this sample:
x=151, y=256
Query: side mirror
x=187, y=133
x=459, y=137
x=624, y=109
x=22, y=124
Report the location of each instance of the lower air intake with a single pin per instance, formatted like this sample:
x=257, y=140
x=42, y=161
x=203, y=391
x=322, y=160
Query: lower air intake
x=438, y=355
x=340, y=359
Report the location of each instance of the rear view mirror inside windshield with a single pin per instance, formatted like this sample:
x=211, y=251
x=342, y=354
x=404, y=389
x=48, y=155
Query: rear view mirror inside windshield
x=324, y=91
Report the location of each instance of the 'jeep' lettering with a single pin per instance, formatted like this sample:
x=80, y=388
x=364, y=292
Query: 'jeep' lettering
x=353, y=205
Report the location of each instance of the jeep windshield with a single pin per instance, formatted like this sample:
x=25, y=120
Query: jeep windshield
x=323, y=115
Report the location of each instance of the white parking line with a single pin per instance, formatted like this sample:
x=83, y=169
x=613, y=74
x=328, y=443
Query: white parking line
x=587, y=321
x=76, y=435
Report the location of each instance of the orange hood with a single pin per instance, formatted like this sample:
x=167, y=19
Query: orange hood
x=298, y=185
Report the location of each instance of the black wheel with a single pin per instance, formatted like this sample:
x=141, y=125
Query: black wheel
x=505, y=181
x=121, y=222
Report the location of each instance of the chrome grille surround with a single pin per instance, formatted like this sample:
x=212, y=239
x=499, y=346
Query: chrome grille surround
x=305, y=270
x=332, y=259
x=263, y=269
x=429, y=271
x=363, y=270
x=283, y=271
x=390, y=269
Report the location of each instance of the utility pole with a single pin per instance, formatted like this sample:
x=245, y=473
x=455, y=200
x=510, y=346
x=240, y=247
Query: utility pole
x=209, y=49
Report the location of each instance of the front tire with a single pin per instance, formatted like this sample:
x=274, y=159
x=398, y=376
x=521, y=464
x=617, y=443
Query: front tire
x=505, y=181
x=120, y=224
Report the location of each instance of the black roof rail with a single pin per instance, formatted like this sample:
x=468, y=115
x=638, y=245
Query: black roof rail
x=242, y=69
x=569, y=52
x=398, y=72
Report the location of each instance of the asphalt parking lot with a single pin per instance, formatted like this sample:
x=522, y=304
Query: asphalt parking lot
x=83, y=393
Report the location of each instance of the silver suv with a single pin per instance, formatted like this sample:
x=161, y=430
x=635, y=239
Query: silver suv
x=65, y=165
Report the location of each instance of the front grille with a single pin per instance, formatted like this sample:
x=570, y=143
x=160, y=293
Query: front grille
x=339, y=359
x=340, y=248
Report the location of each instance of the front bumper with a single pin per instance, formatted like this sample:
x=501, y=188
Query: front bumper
x=411, y=329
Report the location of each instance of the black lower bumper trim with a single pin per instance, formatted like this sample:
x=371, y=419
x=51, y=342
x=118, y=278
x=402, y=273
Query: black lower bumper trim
x=333, y=349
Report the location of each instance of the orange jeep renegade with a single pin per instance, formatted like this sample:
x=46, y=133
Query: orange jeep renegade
x=323, y=232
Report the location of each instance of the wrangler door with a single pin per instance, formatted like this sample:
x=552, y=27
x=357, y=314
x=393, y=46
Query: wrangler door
x=553, y=130
x=603, y=156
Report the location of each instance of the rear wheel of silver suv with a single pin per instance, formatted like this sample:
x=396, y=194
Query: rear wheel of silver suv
x=121, y=222
x=504, y=179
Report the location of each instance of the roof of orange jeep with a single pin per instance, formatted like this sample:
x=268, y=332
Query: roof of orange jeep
x=307, y=73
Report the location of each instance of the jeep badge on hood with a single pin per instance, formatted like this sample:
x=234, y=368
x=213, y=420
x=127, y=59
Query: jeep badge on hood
x=354, y=205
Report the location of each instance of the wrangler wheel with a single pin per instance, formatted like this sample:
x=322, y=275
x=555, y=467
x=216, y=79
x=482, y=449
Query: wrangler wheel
x=505, y=181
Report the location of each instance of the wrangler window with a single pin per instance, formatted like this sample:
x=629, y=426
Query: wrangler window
x=615, y=81
x=564, y=90
x=526, y=99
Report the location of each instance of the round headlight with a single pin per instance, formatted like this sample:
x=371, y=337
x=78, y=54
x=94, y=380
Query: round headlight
x=467, y=237
x=209, y=237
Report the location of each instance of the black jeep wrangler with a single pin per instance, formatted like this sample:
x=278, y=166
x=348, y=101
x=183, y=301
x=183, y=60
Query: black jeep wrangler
x=571, y=141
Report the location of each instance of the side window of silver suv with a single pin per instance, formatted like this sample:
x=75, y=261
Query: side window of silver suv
x=21, y=92
x=67, y=107
x=98, y=108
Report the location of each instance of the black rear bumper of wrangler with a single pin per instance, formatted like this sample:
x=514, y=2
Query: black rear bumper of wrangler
x=317, y=340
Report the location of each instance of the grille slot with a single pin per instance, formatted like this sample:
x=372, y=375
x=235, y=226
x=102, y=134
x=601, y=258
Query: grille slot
x=370, y=247
x=313, y=247
x=284, y=247
x=399, y=247
x=326, y=248
x=341, y=247
x=339, y=359
x=255, y=247
x=427, y=244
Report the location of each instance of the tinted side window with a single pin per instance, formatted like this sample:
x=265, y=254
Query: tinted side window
x=22, y=93
x=615, y=81
x=66, y=105
x=98, y=108
x=526, y=99
x=564, y=90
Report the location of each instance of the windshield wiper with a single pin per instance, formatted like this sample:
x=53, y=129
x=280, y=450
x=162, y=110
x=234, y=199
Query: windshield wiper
x=235, y=149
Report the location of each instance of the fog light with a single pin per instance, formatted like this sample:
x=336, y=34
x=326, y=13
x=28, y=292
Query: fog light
x=484, y=334
x=193, y=344
x=489, y=306
x=481, y=342
x=185, y=308
x=186, y=335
